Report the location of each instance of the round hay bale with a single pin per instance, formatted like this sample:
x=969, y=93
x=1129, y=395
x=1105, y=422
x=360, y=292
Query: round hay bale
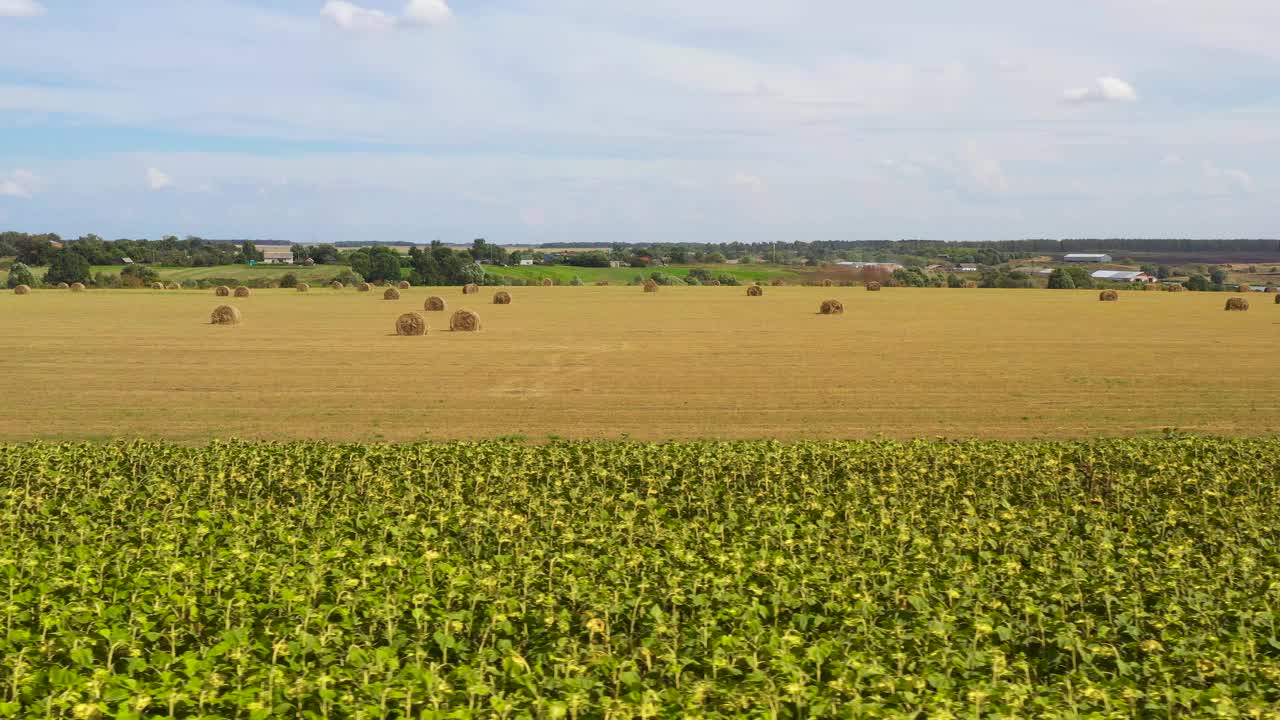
x=337, y=285
x=1278, y=299
x=754, y=291
x=242, y=291
x=404, y=285
x=1271, y=289
x=157, y=286
x=1237, y=304
x=303, y=287
x=222, y=291
x=470, y=289
x=464, y=321
x=77, y=287
x=411, y=324
x=828, y=283
x=391, y=294
x=971, y=284
x=434, y=304
x=1175, y=287
x=502, y=297
x=1148, y=287
x=713, y=283
x=1108, y=296
x=1243, y=288
x=364, y=287
x=62, y=286
x=225, y=315
x=602, y=283
x=778, y=282
x=22, y=290
x=173, y=286
x=873, y=287
x=650, y=286
x=832, y=307
x=548, y=282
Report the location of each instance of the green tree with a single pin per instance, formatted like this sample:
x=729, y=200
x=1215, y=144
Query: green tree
x=1061, y=280
x=249, y=252
x=954, y=281
x=472, y=273
x=34, y=249
x=20, y=274
x=68, y=267
x=1164, y=272
x=289, y=281
x=301, y=254
x=1080, y=277
x=1218, y=276
x=1199, y=283
x=384, y=264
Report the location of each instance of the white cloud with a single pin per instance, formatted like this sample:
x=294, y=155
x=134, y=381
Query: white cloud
x=354, y=17
x=427, y=12
x=747, y=180
x=20, y=8
x=1228, y=181
x=19, y=184
x=417, y=13
x=986, y=171
x=1104, y=89
x=157, y=179
x=1172, y=160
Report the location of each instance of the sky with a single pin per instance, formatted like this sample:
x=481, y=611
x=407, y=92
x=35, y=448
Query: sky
x=640, y=120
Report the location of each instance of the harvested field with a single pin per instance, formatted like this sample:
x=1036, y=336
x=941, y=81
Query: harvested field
x=550, y=365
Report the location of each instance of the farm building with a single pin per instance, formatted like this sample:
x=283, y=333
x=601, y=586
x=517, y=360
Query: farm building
x=1123, y=276
x=861, y=265
x=1087, y=258
x=526, y=262
x=967, y=268
x=277, y=257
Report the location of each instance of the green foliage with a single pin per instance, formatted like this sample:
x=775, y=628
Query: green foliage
x=576, y=281
x=68, y=267
x=289, y=280
x=472, y=273
x=1080, y=277
x=1198, y=283
x=1130, y=578
x=665, y=279
x=954, y=281
x=249, y=252
x=1218, y=276
x=20, y=274
x=1060, y=279
x=727, y=279
x=141, y=274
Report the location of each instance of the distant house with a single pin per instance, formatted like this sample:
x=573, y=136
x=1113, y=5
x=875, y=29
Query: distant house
x=277, y=257
x=1126, y=276
x=862, y=265
x=526, y=262
x=126, y=261
x=967, y=268
x=1087, y=258
x=615, y=263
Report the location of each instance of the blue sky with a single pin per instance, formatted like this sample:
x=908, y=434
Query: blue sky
x=672, y=120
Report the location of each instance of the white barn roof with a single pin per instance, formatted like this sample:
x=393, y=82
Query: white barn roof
x=1125, y=275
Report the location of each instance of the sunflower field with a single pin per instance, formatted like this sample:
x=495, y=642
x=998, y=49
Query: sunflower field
x=1133, y=578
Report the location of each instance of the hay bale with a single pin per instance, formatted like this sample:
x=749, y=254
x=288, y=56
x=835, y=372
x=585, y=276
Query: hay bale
x=225, y=315
x=464, y=321
x=404, y=285
x=1148, y=287
x=713, y=283
x=1278, y=299
x=873, y=287
x=1243, y=288
x=303, y=287
x=1271, y=289
x=391, y=294
x=62, y=286
x=602, y=283
x=828, y=283
x=411, y=324
x=1175, y=287
x=242, y=291
x=470, y=289
x=434, y=304
x=157, y=286
x=1237, y=304
x=77, y=287
x=650, y=286
x=22, y=290
x=173, y=286
x=222, y=291
x=502, y=297
x=337, y=285
x=832, y=307
x=364, y=287
x=778, y=282
x=754, y=291
x=971, y=284
x=548, y=282
x=1108, y=296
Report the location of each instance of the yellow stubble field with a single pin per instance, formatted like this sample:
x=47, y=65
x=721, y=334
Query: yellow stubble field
x=614, y=362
